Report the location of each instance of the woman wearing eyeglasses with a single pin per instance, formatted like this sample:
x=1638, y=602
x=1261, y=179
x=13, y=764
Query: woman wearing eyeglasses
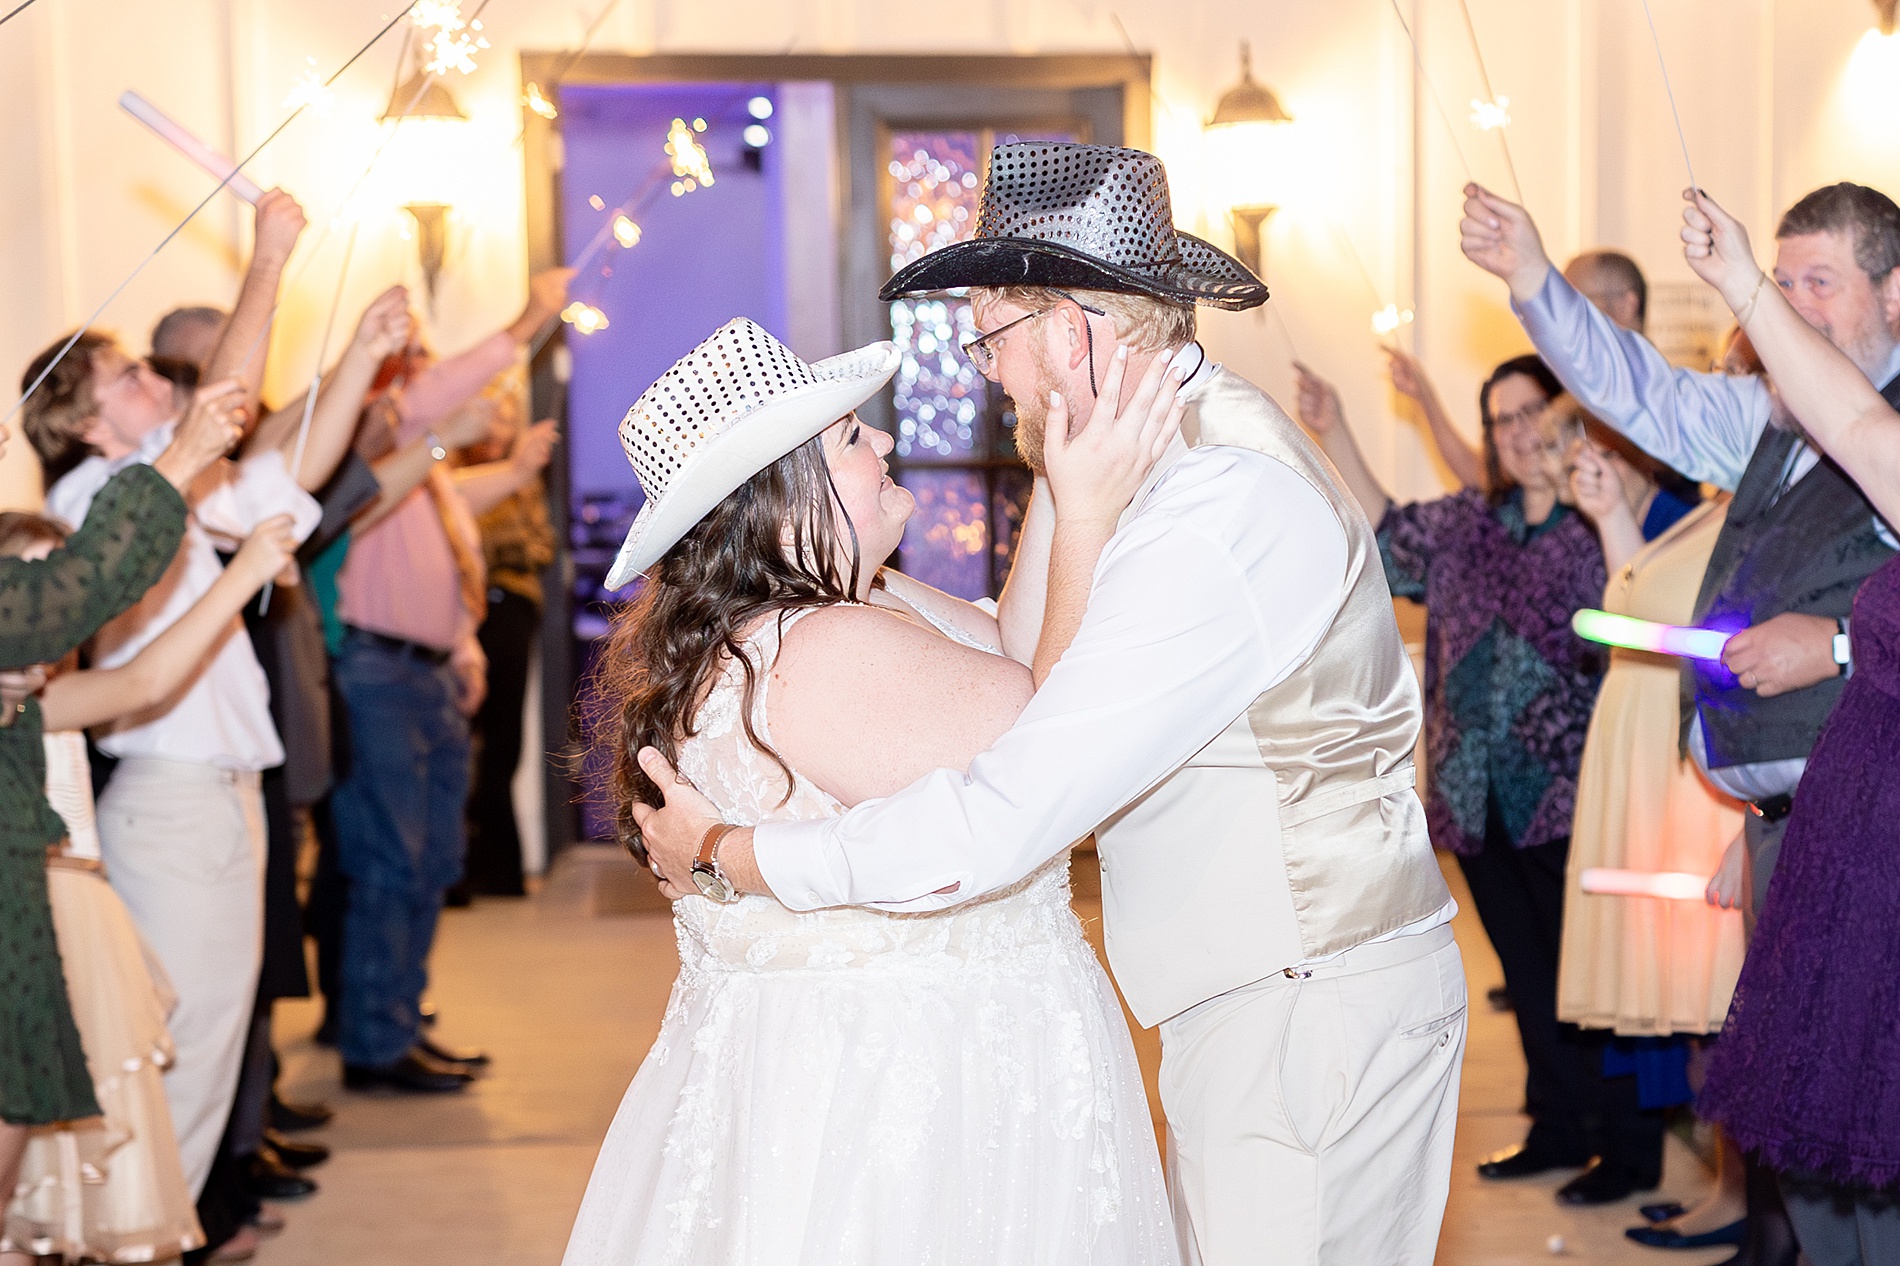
x=1508, y=694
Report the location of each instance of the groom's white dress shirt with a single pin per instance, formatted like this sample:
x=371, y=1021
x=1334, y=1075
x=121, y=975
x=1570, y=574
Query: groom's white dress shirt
x=1222, y=580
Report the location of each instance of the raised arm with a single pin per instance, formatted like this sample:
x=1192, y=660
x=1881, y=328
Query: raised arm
x=1410, y=380
x=1705, y=425
x=383, y=330
x=1325, y=418
x=1026, y=592
x=74, y=701
x=1093, y=476
x=486, y=486
x=241, y=349
x=1835, y=403
x=130, y=534
x=1599, y=494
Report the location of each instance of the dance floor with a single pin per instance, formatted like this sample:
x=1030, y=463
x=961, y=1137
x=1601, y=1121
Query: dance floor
x=567, y=1003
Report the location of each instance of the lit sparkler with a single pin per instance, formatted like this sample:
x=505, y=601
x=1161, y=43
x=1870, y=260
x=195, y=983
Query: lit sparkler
x=626, y=232
x=584, y=317
x=1389, y=318
x=537, y=101
x=1491, y=115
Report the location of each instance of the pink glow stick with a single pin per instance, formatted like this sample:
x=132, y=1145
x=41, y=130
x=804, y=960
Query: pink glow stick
x=190, y=146
x=1670, y=885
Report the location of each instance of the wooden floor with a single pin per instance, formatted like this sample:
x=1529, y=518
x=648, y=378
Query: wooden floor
x=567, y=1001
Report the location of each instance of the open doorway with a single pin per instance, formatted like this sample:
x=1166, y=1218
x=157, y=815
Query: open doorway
x=828, y=174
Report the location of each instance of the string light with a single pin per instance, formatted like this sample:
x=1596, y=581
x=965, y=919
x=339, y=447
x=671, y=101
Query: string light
x=626, y=232
x=1491, y=115
x=1389, y=318
x=584, y=317
x=537, y=101
x=759, y=108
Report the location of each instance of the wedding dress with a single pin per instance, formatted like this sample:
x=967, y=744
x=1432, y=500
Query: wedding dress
x=854, y=1087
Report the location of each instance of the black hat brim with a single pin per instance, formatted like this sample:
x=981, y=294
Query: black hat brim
x=1202, y=274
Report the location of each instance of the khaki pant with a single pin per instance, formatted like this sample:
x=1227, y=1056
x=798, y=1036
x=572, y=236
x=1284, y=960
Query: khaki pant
x=1310, y=1121
x=184, y=848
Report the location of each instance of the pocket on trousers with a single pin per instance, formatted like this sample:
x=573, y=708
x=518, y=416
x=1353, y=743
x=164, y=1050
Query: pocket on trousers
x=1433, y=1027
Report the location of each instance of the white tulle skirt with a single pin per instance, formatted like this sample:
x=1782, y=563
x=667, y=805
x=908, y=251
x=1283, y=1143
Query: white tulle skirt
x=109, y=1188
x=840, y=1096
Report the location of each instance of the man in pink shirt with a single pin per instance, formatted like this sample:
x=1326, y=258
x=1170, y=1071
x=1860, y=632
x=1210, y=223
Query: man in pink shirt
x=411, y=672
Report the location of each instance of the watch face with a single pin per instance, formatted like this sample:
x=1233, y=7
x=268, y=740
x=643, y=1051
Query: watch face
x=711, y=886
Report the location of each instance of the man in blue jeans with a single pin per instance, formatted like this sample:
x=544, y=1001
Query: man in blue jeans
x=411, y=595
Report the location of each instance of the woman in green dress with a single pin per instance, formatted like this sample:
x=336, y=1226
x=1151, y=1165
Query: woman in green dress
x=46, y=609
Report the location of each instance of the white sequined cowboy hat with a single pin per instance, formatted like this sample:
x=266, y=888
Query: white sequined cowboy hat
x=1082, y=217
x=724, y=412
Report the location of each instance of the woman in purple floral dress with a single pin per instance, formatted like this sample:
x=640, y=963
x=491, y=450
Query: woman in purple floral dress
x=1508, y=694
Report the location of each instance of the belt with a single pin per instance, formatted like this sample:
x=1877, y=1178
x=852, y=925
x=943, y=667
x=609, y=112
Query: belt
x=1772, y=809
x=401, y=646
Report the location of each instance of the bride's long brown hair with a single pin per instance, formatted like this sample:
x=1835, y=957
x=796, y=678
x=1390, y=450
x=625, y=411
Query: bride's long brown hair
x=771, y=547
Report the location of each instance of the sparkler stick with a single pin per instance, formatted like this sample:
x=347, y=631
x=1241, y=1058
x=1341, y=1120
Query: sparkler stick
x=1646, y=635
x=1418, y=60
x=1656, y=40
x=1489, y=95
x=190, y=146
x=15, y=11
x=192, y=215
x=1670, y=885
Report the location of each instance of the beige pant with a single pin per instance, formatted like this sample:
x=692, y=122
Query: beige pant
x=1310, y=1121
x=184, y=847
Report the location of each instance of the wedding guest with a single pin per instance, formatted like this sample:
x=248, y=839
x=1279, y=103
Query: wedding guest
x=1508, y=695
x=1799, y=539
x=517, y=546
x=187, y=772
x=411, y=670
x=1807, y=1073
x=129, y=1192
x=46, y=609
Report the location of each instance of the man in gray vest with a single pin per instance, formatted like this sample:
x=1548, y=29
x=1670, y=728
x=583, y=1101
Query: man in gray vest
x=1234, y=719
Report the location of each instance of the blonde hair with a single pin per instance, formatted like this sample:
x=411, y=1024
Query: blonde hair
x=1143, y=323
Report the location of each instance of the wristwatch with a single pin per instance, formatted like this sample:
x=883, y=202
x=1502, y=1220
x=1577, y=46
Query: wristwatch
x=1843, y=648
x=707, y=877
x=437, y=449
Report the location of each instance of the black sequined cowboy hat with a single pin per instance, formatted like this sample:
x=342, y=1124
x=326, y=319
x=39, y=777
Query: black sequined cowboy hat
x=1083, y=217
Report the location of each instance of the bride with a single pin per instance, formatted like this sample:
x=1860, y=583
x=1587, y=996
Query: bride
x=848, y=1085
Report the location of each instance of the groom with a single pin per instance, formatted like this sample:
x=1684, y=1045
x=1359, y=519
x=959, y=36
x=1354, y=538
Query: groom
x=1235, y=720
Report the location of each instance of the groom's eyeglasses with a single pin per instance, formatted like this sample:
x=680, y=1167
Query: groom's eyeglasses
x=982, y=353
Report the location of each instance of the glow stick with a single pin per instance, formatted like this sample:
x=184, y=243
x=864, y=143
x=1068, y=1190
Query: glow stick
x=191, y=147
x=1670, y=885
x=1646, y=635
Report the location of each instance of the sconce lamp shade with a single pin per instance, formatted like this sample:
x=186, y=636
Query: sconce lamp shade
x=1249, y=158
x=1884, y=12
x=1248, y=101
x=422, y=96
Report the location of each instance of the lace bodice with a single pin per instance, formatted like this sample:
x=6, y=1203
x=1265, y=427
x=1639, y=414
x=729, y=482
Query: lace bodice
x=758, y=934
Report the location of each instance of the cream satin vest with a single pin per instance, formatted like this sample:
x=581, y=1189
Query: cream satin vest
x=1297, y=832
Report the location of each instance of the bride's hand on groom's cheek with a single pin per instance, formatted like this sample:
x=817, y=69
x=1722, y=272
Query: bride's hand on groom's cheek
x=672, y=831
x=1096, y=472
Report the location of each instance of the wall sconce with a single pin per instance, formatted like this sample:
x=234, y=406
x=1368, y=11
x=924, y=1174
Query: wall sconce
x=1884, y=15
x=423, y=97
x=1247, y=145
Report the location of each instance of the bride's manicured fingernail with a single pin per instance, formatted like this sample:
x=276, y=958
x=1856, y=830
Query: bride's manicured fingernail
x=1055, y=399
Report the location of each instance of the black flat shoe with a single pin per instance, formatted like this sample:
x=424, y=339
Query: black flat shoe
x=1605, y=1182
x=1668, y=1209
x=450, y=1055
x=270, y=1179
x=326, y=1030
x=294, y=1154
x=1663, y=1237
x=414, y=1073
x=1526, y=1160
x=293, y=1118
x=1500, y=998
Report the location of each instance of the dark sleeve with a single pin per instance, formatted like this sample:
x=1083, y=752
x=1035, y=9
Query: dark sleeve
x=1409, y=537
x=352, y=487
x=130, y=536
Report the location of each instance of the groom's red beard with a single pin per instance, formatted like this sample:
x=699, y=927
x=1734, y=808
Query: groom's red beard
x=1032, y=415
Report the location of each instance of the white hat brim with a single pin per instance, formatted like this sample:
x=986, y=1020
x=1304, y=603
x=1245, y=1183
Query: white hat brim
x=766, y=434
